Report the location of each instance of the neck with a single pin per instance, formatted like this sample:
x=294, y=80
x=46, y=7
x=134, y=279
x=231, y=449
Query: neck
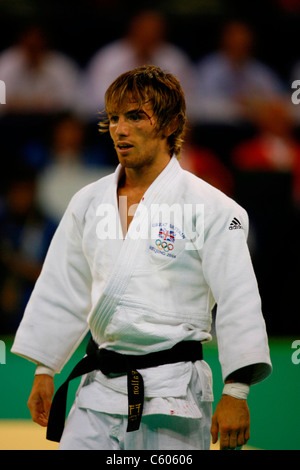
x=142, y=177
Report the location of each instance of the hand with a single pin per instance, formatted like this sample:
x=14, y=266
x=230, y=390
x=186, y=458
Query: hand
x=39, y=402
x=232, y=420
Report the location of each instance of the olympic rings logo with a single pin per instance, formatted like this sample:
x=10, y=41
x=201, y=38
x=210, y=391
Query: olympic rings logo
x=164, y=246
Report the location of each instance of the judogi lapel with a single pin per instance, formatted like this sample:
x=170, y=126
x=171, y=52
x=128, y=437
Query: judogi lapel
x=127, y=258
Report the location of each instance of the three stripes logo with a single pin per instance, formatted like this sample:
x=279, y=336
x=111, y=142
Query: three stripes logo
x=235, y=224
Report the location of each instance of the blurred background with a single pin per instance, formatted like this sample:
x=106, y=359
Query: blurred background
x=236, y=61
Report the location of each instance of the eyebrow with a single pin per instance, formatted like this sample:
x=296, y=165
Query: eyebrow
x=131, y=111
x=138, y=111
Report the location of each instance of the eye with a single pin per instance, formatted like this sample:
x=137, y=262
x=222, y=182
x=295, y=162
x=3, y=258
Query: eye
x=136, y=116
x=113, y=119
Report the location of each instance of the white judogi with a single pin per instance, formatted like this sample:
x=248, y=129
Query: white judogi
x=146, y=292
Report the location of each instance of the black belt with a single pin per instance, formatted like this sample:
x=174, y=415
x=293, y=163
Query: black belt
x=112, y=362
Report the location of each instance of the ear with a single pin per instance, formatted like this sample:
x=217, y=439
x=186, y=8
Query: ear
x=171, y=127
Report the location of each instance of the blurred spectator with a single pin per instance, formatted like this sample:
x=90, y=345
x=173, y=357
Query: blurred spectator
x=67, y=170
x=231, y=78
x=145, y=43
x=274, y=148
x=25, y=235
x=38, y=79
x=203, y=163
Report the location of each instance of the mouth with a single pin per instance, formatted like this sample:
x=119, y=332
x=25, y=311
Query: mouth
x=123, y=146
x=123, y=149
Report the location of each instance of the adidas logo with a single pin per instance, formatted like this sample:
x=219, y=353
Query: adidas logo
x=235, y=224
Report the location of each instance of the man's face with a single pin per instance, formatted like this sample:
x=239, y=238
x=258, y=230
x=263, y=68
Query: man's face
x=136, y=139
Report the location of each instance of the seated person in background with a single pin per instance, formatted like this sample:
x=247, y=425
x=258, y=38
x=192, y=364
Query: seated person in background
x=38, y=79
x=230, y=78
x=67, y=170
x=144, y=43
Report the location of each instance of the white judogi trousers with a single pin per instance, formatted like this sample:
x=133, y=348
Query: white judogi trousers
x=91, y=430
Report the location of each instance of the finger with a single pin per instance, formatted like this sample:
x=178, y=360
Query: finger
x=42, y=420
x=243, y=438
x=47, y=401
x=233, y=440
x=224, y=440
x=43, y=415
x=214, y=430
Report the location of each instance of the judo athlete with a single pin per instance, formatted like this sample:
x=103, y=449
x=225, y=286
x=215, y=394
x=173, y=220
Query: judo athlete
x=139, y=260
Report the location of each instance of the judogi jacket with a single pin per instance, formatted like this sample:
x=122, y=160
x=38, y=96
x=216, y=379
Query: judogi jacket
x=185, y=250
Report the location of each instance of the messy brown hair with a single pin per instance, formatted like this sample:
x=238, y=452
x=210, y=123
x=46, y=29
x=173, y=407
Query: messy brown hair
x=163, y=90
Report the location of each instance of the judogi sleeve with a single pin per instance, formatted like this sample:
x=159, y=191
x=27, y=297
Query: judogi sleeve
x=55, y=319
x=227, y=266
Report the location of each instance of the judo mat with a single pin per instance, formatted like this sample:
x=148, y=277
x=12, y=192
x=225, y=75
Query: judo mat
x=274, y=403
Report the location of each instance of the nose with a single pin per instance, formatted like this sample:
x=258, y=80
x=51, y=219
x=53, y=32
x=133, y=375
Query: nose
x=122, y=128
